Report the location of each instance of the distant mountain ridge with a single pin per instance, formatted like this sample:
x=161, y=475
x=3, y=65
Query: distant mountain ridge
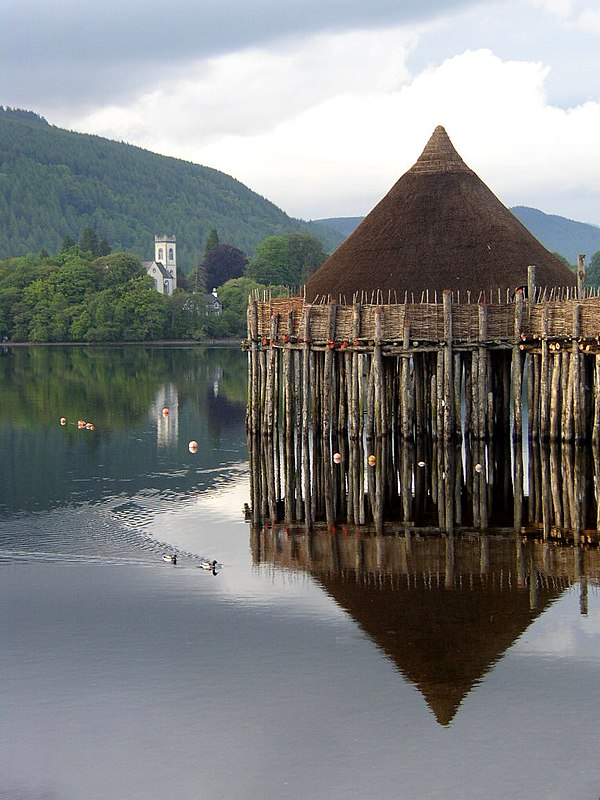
x=558, y=234
x=54, y=183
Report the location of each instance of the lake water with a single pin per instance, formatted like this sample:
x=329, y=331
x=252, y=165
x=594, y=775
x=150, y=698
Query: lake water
x=331, y=665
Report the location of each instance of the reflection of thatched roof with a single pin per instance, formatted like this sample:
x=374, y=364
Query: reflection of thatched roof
x=443, y=609
x=443, y=641
x=439, y=227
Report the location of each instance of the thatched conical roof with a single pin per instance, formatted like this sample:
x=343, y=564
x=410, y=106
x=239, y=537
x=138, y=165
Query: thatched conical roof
x=439, y=227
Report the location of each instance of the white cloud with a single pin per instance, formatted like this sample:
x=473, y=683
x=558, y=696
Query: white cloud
x=249, y=92
x=324, y=128
x=559, y=8
x=589, y=20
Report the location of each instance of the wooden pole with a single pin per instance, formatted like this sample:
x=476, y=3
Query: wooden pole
x=482, y=376
x=306, y=414
x=531, y=285
x=448, y=363
x=517, y=369
x=544, y=370
x=596, y=425
x=576, y=366
x=580, y=277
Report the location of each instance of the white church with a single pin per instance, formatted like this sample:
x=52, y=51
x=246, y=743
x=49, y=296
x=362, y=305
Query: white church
x=163, y=270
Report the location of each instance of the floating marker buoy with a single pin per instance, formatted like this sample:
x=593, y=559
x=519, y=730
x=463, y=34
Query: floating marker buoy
x=337, y=458
x=165, y=412
x=81, y=423
x=478, y=467
x=63, y=421
x=193, y=446
x=421, y=464
x=372, y=460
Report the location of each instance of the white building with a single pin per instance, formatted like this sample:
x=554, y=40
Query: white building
x=163, y=270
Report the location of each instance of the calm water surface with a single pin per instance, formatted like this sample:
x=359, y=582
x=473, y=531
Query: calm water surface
x=124, y=677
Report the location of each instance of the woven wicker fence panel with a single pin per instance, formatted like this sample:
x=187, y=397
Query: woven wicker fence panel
x=501, y=322
x=426, y=321
x=393, y=322
x=590, y=318
x=367, y=322
x=560, y=319
x=465, y=323
x=344, y=323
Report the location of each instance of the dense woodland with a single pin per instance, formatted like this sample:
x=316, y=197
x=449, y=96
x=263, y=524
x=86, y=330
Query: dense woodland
x=54, y=183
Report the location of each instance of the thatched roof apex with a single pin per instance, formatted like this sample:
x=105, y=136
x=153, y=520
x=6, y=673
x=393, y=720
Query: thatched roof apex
x=439, y=227
x=439, y=155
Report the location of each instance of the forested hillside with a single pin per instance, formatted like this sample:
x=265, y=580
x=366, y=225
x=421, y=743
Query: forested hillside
x=54, y=183
x=559, y=234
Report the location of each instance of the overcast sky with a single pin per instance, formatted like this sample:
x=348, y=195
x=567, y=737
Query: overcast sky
x=321, y=105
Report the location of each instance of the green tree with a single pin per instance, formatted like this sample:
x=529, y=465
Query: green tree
x=143, y=311
x=187, y=315
x=234, y=295
x=212, y=241
x=118, y=268
x=289, y=259
x=270, y=264
x=305, y=255
x=89, y=241
x=593, y=271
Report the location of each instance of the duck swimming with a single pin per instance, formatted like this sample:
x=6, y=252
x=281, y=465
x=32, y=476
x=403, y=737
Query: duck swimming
x=206, y=564
x=170, y=559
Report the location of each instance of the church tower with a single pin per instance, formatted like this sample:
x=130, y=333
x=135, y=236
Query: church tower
x=165, y=254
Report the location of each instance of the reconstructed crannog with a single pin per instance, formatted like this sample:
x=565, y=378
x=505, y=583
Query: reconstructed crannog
x=439, y=227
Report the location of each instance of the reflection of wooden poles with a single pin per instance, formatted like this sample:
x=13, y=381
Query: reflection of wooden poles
x=518, y=484
x=555, y=484
x=449, y=578
x=545, y=487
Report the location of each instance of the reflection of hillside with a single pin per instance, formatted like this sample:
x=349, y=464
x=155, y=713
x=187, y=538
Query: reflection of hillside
x=444, y=609
x=46, y=465
x=111, y=385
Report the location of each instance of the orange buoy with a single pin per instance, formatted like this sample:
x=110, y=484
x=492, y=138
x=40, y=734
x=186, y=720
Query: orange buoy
x=193, y=446
x=165, y=412
x=372, y=460
x=81, y=423
x=337, y=458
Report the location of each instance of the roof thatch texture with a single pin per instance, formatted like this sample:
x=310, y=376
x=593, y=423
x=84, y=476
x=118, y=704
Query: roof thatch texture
x=439, y=227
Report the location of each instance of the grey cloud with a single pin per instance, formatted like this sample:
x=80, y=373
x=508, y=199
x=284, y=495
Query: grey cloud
x=80, y=52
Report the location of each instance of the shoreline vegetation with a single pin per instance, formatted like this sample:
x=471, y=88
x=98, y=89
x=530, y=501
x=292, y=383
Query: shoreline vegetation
x=226, y=342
